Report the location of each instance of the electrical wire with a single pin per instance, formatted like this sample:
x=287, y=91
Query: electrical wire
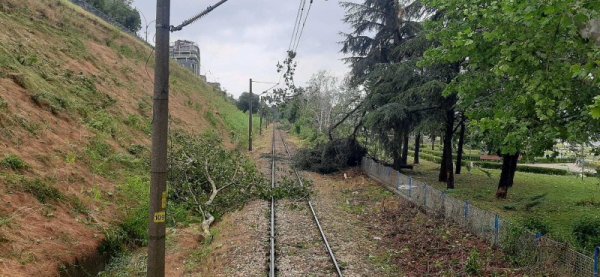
x=267, y=83
x=299, y=15
x=303, y=25
x=198, y=16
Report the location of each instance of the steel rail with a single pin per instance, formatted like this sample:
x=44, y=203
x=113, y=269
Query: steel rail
x=272, y=235
x=312, y=209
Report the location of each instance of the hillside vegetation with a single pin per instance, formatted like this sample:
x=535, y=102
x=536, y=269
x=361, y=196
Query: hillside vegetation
x=75, y=124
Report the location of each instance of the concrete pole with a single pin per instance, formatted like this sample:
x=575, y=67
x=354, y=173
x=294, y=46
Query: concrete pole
x=160, y=128
x=250, y=120
x=260, y=112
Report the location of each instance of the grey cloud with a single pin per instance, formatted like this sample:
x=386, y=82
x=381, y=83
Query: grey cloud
x=245, y=39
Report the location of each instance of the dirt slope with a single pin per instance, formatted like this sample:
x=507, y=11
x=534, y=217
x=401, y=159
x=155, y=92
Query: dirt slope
x=75, y=115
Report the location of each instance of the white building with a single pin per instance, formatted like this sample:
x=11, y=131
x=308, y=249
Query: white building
x=187, y=54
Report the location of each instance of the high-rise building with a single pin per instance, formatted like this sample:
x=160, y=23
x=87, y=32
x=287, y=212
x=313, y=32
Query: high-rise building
x=187, y=54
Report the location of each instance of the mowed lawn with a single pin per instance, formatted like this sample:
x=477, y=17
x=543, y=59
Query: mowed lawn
x=558, y=201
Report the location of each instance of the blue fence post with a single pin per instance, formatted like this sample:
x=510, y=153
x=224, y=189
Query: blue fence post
x=496, y=229
x=596, y=257
x=466, y=209
x=538, y=238
x=410, y=187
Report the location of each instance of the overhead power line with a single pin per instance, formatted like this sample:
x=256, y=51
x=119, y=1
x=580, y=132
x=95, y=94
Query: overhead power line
x=267, y=83
x=198, y=16
x=303, y=25
x=299, y=15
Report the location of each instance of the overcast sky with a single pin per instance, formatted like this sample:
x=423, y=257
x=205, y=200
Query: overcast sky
x=245, y=39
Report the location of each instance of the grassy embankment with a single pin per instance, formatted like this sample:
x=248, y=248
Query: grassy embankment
x=75, y=124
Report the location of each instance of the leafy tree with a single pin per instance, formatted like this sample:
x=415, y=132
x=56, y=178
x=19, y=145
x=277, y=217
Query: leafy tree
x=243, y=102
x=387, y=43
x=121, y=11
x=378, y=28
x=526, y=79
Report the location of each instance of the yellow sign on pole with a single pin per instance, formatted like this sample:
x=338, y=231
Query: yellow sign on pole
x=159, y=217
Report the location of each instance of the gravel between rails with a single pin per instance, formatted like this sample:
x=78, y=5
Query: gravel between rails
x=300, y=249
x=357, y=249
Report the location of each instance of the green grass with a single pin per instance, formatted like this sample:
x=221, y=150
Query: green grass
x=557, y=201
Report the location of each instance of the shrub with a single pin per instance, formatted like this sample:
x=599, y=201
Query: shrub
x=524, y=168
x=537, y=225
x=587, y=232
x=137, y=150
x=103, y=122
x=13, y=162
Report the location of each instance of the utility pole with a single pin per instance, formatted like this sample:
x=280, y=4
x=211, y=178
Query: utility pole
x=250, y=120
x=148, y=25
x=260, y=112
x=160, y=129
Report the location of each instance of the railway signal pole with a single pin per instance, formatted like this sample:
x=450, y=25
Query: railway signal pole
x=160, y=128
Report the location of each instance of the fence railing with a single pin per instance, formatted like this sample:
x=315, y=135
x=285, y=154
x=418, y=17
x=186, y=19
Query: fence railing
x=537, y=252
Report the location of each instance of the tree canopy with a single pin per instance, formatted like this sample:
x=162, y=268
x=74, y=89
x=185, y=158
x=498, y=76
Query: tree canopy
x=121, y=11
x=243, y=102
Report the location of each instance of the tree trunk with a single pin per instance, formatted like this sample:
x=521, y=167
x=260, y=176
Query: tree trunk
x=206, y=226
x=461, y=142
x=432, y=142
x=405, y=148
x=507, y=176
x=397, y=150
x=417, y=147
x=446, y=170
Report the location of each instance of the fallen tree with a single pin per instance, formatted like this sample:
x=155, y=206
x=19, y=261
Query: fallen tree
x=210, y=180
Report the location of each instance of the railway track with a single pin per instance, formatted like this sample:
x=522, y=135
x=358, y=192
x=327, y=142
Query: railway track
x=273, y=224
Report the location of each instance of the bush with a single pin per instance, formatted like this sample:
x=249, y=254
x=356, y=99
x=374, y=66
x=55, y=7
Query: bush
x=525, y=168
x=431, y=158
x=587, y=232
x=330, y=156
x=13, y=162
x=537, y=225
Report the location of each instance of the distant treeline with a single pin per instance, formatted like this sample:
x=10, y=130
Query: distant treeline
x=121, y=11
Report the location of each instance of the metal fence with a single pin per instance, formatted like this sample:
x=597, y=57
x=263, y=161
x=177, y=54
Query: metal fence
x=534, y=251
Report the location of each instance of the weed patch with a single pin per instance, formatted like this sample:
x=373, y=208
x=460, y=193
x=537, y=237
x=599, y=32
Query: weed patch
x=3, y=105
x=103, y=122
x=587, y=232
x=42, y=191
x=14, y=162
x=50, y=101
